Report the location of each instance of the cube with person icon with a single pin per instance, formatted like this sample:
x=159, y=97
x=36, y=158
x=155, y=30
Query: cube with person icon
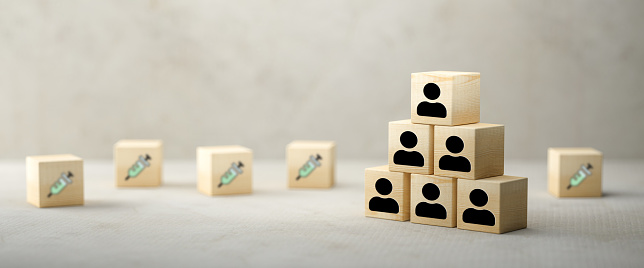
x=386, y=194
x=433, y=200
x=445, y=98
x=410, y=147
x=494, y=205
x=472, y=151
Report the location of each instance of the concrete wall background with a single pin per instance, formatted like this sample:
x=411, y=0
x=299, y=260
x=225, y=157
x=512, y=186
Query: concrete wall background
x=76, y=76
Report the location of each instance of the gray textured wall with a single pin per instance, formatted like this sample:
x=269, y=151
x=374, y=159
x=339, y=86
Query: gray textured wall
x=76, y=76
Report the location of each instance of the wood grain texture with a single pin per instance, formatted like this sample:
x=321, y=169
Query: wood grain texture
x=298, y=153
x=425, y=146
x=459, y=93
x=446, y=198
x=507, y=200
x=215, y=161
x=43, y=172
x=401, y=183
x=483, y=147
x=564, y=163
x=127, y=153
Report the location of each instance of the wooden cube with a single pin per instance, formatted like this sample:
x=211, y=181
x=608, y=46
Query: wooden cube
x=55, y=180
x=574, y=172
x=433, y=200
x=494, y=205
x=386, y=194
x=138, y=162
x=310, y=164
x=445, y=98
x=224, y=170
x=469, y=151
x=411, y=147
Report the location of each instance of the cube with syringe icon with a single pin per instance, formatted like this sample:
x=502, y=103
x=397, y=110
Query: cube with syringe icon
x=224, y=170
x=574, y=172
x=55, y=180
x=311, y=164
x=138, y=162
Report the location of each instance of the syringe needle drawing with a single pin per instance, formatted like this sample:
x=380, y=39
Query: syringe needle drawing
x=580, y=175
x=138, y=166
x=61, y=183
x=231, y=174
x=309, y=166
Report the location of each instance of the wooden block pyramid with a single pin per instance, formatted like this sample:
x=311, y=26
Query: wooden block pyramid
x=445, y=168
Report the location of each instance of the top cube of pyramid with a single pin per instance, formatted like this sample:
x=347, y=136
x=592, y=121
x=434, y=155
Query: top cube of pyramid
x=445, y=98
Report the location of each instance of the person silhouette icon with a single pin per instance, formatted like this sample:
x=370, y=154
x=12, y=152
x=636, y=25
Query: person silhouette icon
x=455, y=145
x=409, y=158
x=478, y=198
x=424, y=209
x=387, y=205
x=431, y=109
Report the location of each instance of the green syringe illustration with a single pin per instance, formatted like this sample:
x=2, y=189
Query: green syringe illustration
x=231, y=174
x=309, y=166
x=580, y=176
x=138, y=166
x=61, y=183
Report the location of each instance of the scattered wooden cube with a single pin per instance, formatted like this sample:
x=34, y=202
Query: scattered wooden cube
x=138, y=162
x=469, y=151
x=411, y=147
x=224, y=170
x=433, y=200
x=445, y=98
x=494, y=205
x=311, y=164
x=386, y=194
x=574, y=172
x=55, y=180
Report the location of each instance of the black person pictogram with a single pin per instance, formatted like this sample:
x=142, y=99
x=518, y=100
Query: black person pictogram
x=478, y=198
x=387, y=205
x=427, y=210
x=409, y=158
x=455, y=145
x=431, y=109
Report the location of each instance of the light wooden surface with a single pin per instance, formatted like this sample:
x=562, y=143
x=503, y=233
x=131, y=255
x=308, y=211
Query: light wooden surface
x=459, y=93
x=483, y=148
x=45, y=172
x=566, y=163
x=425, y=145
x=401, y=184
x=127, y=153
x=298, y=158
x=215, y=162
x=446, y=198
x=507, y=199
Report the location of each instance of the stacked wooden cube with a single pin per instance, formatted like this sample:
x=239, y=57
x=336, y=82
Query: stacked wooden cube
x=445, y=168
